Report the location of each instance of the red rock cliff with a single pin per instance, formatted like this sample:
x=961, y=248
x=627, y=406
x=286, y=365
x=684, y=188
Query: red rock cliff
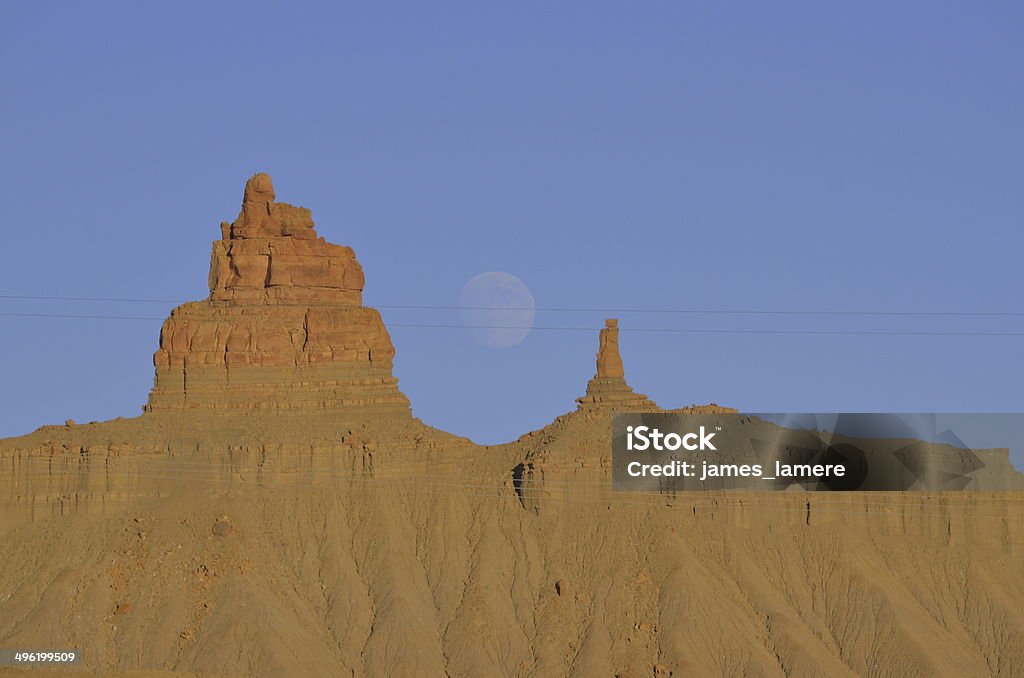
x=284, y=327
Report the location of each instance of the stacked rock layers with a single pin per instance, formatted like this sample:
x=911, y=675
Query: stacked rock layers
x=284, y=327
x=608, y=388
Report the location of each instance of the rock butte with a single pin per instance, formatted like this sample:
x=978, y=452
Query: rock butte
x=284, y=327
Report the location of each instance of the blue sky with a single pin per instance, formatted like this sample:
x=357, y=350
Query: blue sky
x=800, y=155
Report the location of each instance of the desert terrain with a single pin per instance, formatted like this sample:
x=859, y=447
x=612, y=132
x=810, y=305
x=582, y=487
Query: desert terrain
x=278, y=510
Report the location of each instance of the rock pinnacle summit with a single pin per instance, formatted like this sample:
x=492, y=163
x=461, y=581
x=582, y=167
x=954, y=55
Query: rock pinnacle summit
x=608, y=388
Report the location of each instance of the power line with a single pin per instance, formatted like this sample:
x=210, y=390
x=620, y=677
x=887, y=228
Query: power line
x=692, y=330
x=90, y=317
x=708, y=311
x=134, y=301
x=665, y=330
x=577, y=309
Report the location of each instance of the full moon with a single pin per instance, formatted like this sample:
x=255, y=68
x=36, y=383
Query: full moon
x=498, y=308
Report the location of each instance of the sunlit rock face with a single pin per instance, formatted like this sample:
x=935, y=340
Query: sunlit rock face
x=271, y=254
x=284, y=327
x=608, y=388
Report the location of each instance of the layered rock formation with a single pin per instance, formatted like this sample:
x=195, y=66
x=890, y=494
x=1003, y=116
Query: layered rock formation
x=284, y=327
x=271, y=255
x=608, y=388
x=295, y=546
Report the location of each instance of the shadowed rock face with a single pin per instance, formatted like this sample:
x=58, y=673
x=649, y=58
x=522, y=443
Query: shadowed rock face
x=284, y=327
x=608, y=388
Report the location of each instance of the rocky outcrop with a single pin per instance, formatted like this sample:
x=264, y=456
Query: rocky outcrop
x=284, y=327
x=608, y=388
x=609, y=361
x=271, y=254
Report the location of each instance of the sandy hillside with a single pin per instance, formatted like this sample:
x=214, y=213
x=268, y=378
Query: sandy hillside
x=429, y=559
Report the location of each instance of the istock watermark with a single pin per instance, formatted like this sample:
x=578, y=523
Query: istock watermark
x=675, y=451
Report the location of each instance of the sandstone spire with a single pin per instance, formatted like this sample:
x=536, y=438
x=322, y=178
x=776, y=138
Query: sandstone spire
x=271, y=254
x=284, y=327
x=608, y=388
x=609, y=362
